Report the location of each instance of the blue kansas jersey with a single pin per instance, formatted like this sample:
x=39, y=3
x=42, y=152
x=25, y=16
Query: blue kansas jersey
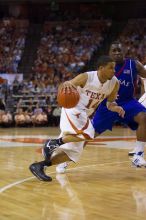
x=126, y=74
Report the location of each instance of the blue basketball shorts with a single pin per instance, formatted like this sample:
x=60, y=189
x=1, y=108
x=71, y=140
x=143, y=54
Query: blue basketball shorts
x=104, y=119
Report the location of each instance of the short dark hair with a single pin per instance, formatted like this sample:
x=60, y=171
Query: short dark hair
x=104, y=60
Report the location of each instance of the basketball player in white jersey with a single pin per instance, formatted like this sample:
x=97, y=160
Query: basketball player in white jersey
x=75, y=125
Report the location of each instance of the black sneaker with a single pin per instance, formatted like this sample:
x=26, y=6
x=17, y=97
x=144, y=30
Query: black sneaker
x=37, y=170
x=49, y=148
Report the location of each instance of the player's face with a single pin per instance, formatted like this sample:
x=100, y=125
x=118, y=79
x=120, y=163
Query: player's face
x=109, y=70
x=116, y=53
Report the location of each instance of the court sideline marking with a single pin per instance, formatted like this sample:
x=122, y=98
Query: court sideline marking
x=3, y=189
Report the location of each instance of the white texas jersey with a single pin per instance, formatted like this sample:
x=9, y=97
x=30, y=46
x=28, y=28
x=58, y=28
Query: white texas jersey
x=94, y=92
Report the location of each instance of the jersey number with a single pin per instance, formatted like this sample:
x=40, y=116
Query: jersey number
x=91, y=105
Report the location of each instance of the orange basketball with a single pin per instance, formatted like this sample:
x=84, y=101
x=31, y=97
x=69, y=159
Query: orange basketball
x=68, y=97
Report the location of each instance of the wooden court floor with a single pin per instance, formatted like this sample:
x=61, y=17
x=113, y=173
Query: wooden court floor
x=102, y=186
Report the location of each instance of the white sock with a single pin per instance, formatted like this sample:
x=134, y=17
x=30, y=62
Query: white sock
x=139, y=146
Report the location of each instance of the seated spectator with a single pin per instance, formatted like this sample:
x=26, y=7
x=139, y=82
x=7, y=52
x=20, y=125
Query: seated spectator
x=28, y=120
x=6, y=119
x=19, y=117
x=39, y=117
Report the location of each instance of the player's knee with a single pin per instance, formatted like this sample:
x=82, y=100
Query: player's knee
x=141, y=118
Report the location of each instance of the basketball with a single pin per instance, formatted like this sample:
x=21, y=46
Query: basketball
x=68, y=97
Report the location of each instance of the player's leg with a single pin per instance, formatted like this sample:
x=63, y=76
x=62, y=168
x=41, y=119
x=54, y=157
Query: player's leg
x=38, y=168
x=65, y=153
x=138, y=149
x=135, y=118
x=73, y=130
x=52, y=144
x=61, y=168
x=139, y=146
x=138, y=158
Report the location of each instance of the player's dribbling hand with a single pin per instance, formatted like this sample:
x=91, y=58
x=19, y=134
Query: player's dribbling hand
x=67, y=86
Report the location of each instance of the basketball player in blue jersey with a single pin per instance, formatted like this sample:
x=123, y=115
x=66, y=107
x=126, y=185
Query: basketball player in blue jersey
x=126, y=71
